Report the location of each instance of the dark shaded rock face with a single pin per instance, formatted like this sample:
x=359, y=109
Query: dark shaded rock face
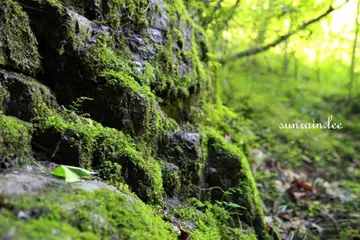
x=23, y=97
x=222, y=170
x=108, y=86
x=183, y=151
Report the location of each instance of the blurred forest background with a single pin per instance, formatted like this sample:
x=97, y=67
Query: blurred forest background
x=286, y=61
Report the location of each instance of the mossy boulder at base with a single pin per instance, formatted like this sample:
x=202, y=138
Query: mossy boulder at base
x=92, y=211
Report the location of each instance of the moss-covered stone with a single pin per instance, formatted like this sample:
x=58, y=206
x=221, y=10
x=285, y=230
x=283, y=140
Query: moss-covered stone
x=213, y=169
x=24, y=97
x=73, y=140
x=183, y=150
x=75, y=53
x=228, y=177
x=144, y=65
x=18, y=46
x=15, y=137
x=61, y=211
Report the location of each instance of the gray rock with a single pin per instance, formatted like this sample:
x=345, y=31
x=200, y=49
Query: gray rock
x=24, y=183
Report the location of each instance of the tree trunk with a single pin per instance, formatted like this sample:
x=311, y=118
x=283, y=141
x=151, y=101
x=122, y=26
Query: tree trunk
x=353, y=54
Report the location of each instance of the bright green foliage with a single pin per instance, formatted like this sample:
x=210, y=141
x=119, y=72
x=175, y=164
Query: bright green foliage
x=40, y=229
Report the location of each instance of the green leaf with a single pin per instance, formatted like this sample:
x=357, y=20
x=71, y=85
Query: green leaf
x=71, y=176
x=59, y=171
x=79, y=171
x=234, y=205
x=70, y=173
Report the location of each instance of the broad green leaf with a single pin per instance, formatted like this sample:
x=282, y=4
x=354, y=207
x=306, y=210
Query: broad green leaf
x=71, y=176
x=59, y=171
x=79, y=171
x=70, y=173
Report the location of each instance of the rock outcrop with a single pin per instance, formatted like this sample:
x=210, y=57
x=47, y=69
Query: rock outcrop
x=109, y=86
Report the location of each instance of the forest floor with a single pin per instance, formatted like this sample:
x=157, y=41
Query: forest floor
x=309, y=179
x=304, y=205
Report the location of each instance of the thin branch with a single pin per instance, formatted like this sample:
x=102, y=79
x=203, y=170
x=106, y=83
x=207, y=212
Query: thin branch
x=209, y=19
x=282, y=38
x=231, y=15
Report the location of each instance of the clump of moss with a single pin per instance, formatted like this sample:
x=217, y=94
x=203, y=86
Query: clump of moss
x=124, y=12
x=140, y=171
x=111, y=173
x=59, y=212
x=15, y=137
x=18, y=47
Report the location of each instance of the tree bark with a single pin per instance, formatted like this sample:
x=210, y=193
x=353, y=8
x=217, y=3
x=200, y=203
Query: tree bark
x=353, y=54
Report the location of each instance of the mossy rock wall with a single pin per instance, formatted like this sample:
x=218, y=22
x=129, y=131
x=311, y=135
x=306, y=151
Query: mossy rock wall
x=110, y=86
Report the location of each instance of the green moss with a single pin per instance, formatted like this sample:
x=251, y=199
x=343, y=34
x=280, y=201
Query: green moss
x=101, y=56
x=39, y=229
x=171, y=181
x=18, y=47
x=59, y=212
x=141, y=172
x=122, y=12
x=127, y=82
x=15, y=138
x=111, y=173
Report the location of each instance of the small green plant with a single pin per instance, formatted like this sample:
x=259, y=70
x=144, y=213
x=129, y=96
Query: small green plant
x=76, y=105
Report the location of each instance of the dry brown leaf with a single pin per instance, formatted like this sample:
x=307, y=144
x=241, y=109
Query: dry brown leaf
x=304, y=185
